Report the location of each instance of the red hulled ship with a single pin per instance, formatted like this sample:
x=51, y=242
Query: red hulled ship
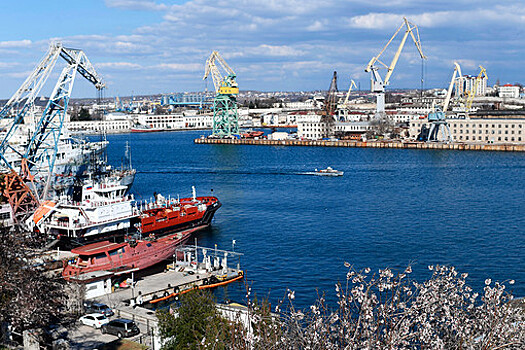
x=130, y=255
x=164, y=216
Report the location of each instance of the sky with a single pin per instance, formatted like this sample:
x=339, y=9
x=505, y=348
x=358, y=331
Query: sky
x=160, y=46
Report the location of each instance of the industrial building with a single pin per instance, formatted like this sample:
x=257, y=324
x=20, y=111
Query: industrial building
x=480, y=130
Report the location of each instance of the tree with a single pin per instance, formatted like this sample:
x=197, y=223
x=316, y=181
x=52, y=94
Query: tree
x=197, y=323
x=29, y=298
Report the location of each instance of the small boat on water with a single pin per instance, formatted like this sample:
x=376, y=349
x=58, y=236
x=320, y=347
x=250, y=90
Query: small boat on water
x=328, y=172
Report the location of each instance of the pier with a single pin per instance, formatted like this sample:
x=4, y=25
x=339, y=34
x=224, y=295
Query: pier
x=192, y=268
x=370, y=144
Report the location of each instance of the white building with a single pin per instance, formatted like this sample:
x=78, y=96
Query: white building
x=350, y=130
x=161, y=121
x=466, y=83
x=482, y=130
x=310, y=127
x=509, y=91
x=101, y=126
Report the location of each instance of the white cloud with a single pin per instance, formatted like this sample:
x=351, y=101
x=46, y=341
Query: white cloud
x=15, y=43
x=118, y=65
x=136, y=5
x=316, y=26
x=180, y=66
x=271, y=50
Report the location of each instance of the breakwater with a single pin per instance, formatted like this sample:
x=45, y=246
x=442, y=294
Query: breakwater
x=371, y=144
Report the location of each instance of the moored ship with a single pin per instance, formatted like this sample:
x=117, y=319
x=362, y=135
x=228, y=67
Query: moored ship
x=126, y=256
x=168, y=215
x=96, y=209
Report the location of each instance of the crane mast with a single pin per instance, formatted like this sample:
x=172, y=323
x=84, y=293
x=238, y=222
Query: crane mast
x=225, y=115
x=377, y=83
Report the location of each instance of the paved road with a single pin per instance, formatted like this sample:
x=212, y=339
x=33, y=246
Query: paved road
x=87, y=338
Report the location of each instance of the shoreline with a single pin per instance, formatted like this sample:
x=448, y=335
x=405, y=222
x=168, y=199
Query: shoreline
x=373, y=144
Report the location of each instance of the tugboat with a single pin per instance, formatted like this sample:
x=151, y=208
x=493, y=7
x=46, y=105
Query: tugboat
x=328, y=172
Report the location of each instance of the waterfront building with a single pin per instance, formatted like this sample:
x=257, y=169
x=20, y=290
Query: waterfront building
x=509, y=91
x=101, y=126
x=310, y=126
x=480, y=129
x=351, y=130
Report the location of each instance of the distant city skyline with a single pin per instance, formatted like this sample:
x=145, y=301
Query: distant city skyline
x=150, y=47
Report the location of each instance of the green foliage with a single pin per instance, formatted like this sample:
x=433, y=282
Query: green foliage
x=198, y=324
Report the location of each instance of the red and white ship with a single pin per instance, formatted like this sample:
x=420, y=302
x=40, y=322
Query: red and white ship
x=121, y=257
x=164, y=216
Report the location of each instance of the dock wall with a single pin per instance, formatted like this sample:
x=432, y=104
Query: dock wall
x=373, y=144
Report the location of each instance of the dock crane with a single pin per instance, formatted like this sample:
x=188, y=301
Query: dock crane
x=330, y=106
x=352, y=84
x=343, y=106
x=225, y=115
x=377, y=83
x=41, y=150
x=439, y=129
x=472, y=92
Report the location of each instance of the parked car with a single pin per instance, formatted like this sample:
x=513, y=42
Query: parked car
x=94, y=320
x=121, y=328
x=98, y=308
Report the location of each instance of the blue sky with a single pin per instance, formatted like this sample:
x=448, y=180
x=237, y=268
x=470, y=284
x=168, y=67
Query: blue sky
x=160, y=46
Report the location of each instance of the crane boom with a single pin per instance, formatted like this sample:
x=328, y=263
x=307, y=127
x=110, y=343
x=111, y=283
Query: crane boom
x=352, y=84
x=474, y=89
x=219, y=79
x=377, y=83
x=43, y=144
x=457, y=71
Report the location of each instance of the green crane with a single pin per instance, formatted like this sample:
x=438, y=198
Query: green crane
x=225, y=115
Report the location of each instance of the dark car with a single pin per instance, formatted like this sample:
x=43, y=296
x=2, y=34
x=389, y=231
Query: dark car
x=121, y=328
x=98, y=308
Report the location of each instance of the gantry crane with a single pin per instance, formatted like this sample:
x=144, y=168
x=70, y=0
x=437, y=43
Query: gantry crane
x=377, y=83
x=225, y=116
x=439, y=129
x=41, y=150
x=474, y=89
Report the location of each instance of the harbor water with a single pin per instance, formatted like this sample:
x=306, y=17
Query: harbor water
x=392, y=208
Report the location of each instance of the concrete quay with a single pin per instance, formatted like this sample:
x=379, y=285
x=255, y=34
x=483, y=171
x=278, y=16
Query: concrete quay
x=370, y=144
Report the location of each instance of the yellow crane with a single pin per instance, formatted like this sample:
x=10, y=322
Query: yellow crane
x=377, y=83
x=472, y=92
x=225, y=115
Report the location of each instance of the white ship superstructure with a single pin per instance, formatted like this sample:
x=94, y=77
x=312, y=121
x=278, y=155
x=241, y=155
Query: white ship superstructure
x=95, y=209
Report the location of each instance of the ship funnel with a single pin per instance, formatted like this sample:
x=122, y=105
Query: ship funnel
x=194, y=193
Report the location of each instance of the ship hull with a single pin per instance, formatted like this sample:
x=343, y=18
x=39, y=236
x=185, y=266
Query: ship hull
x=165, y=220
x=118, y=257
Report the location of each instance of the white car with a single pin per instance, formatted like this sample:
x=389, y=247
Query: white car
x=94, y=320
